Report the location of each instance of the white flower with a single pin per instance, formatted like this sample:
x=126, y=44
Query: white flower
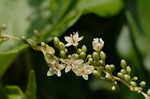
x=98, y=44
x=73, y=39
x=72, y=64
x=84, y=71
x=55, y=68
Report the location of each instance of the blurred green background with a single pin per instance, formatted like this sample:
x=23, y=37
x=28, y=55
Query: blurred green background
x=124, y=25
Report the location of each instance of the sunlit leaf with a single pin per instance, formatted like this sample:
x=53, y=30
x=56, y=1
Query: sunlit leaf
x=14, y=92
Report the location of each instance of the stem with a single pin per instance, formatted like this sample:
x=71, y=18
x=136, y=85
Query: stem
x=27, y=41
x=128, y=85
x=11, y=37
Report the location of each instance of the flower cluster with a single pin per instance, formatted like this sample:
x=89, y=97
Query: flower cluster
x=81, y=63
x=74, y=62
x=84, y=64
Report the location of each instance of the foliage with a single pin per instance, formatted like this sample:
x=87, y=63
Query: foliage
x=30, y=22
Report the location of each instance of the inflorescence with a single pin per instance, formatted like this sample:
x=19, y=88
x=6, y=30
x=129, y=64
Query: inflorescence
x=83, y=64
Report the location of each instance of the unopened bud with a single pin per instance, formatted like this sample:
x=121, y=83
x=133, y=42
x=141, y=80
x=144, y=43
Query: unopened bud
x=75, y=56
x=96, y=74
x=84, y=49
x=102, y=55
x=123, y=63
x=79, y=51
x=108, y=68
x=112, y=67
x=56, y=41
x=62, y=53
x=89, y=56
x=148, y=92
x=95, y=56
x=82, y=55
x=135, y=78
x=142, y=83
x=128, y=69
x=123, y=71
x=120, y=75
x=113, y=88
x=133, y=83
x=127, y=77
x=61, y=46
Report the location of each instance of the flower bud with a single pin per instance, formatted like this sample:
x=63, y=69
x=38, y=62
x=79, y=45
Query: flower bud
x=133, y=83
x=96, y=74
x=47, y=49
x=135, y=78
x=128, y=69
x=113, y=88
x=61, y=46
x=75, y=56
x=95, y=56
x=148, y=92
x=108, y=68
x=90, y=60
x=56, y=41
x=102, y=55
x=62, y=53
x=82, y=55
x=89, y=56
x=123, y=63
x=127, y=77
x=101, y=62
x=108, y=76
x=142, y=83
x=123, y=71
x=84, y=49
x=120, y=75
x=79, y=51
x=112, y=67
x=66, y=50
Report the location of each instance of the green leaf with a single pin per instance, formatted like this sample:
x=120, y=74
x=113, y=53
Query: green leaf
x=14, y=92
x=101, y=7
x=67, y=16
x=31, y=86
x=139, y=22
x=6, y=60
x=14, y=14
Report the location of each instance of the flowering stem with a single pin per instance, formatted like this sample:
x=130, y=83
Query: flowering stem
x=86, y=68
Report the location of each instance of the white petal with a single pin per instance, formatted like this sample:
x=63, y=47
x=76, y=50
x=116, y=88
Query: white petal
x=101, y=41
x=80, y=38
x=79, y=61
x=58, y=73
x=50, y=73
x=61, y=66
x=68, y=44
x=67, y=69
x=76, y=36
x=85, y=77
x=68, y=39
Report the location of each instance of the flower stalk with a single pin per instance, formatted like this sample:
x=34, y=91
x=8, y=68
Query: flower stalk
x=83, y=64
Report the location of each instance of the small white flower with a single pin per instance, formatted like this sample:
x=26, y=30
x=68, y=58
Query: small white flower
x=73, y=39
x=55, y=68
x=98, y=44
x=84, y=71
x=72, y=64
